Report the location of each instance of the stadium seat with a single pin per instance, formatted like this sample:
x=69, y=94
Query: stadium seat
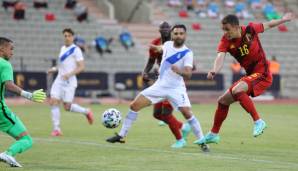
x=183, y=14
x=196, y=26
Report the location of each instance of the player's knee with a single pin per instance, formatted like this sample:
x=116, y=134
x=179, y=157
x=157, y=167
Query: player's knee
x=240, y=87
x=54, y=102
x=237, y=90
x=28, y=141
x=186, y=112
x=67, y=107
x=51, y=102
x=222, y=100
x=167, y=111
x=157, y=115
x=134, y=106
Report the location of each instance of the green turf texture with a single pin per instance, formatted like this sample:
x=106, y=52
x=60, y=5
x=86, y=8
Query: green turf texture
x=147, y=147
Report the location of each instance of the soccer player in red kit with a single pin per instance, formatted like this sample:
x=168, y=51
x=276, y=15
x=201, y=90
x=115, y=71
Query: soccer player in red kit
x=243, y=43
x=163, y=111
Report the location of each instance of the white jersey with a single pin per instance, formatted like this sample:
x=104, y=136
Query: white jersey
x=67, y=62
x=181, y=57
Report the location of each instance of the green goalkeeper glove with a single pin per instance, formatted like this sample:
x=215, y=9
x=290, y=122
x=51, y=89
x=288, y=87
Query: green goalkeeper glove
x=37, y=95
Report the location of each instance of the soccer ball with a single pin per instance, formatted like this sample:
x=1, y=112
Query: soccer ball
x=111, y=118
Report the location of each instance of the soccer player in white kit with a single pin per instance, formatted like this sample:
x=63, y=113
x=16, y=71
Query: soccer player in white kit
x=70, y=63
x=176, y=65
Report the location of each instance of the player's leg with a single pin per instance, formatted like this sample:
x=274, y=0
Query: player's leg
x=150, y=95
x=157, y=110
x=72, y=107
x=223, y=104
x=195, y=125
x=179, y=99
x=239, y=93
x=192, y=120
x=179, y=130
x=163, y=112
x=220, y=115
x=55, y=110
x=255, y=85
x=56, y=94
x=68, y=105
x=23, y=142
x=136, y=105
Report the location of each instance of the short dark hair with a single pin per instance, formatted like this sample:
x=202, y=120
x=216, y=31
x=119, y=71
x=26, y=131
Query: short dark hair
x=4, y=40
x=179, y=26
x=164, y=25
x=230, y=19
x=68, y=30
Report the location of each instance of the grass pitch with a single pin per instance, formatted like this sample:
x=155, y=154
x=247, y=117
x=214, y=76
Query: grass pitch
x=147, y=147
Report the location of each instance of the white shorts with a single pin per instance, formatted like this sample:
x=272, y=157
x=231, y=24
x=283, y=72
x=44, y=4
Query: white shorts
x=63, y=91
x=176, y=96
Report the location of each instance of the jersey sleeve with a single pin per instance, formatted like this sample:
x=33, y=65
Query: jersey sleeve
x=222, y=45
x=152, y=52
x=6, y=73
x=258, y=27
x=78, y=54
x=188, y=62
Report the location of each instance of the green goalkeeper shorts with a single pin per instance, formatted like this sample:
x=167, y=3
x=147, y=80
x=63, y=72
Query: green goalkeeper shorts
x=11, y=124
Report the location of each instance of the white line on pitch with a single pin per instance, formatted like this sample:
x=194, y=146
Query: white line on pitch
x=125, y=147
x=210, y=155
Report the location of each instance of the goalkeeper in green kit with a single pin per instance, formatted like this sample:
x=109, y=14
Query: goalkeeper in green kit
x=9, y=122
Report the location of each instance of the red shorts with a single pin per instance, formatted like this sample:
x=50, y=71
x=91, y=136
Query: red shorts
x=257, y=83
x=164, y=104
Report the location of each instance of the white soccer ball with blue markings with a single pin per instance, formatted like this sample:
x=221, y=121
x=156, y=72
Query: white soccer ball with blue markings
x=111, y=118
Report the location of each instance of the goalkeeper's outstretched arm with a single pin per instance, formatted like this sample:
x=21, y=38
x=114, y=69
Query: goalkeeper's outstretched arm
x=36, y=96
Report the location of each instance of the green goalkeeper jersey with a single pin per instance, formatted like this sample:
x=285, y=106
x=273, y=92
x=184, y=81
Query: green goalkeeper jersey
x=6, y=74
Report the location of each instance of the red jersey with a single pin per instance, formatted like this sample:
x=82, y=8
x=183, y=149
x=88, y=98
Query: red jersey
x=154, y=54
x=249, y=53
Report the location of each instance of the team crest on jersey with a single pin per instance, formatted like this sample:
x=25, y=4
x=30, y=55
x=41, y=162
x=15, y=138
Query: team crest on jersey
x=254, y=75
x=232, y=46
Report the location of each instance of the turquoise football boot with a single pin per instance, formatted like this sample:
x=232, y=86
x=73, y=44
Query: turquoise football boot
x=179, y=144
x=162, y=123
x=208, y=139
x=259, y=127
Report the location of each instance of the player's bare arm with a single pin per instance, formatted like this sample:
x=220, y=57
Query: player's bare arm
x=147, y=69
x=273, y=23
x=52, y=70
x=36, y=96
x=186, y=72
x=80, y=67
x=11, y=86
x=218, y=64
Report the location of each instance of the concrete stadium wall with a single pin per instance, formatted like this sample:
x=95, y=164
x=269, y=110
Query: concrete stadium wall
x=106, y=7
x=124, y=8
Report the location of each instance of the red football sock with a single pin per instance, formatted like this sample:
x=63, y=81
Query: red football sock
x=174, y=125
x=247, y=104
x=220, y=115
